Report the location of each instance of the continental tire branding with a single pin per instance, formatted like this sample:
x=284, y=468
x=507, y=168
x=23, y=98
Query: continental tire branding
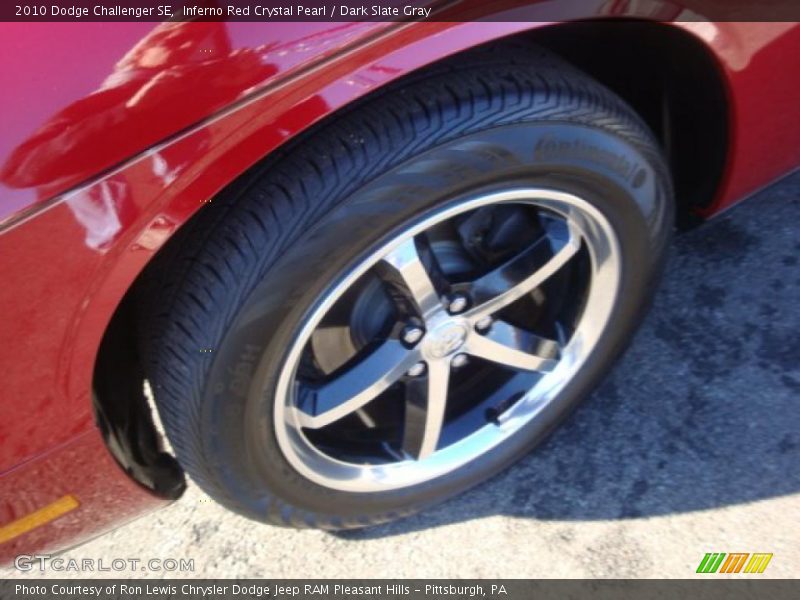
x=736, y=562
x=549, y=148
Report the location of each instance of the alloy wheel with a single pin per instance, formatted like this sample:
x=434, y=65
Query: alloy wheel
x=447, y=339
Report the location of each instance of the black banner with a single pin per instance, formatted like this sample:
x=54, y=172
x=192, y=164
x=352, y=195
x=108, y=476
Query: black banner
x=395, y=10
x=711, y=588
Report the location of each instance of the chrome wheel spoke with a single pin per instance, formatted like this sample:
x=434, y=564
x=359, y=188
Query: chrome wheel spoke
x=356, y=386
x=510, y=346
x=408, y=271
x=426, y=400
x=525, y=272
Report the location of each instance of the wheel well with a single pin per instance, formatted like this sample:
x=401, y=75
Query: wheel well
x=670, y=79
x=123, y=413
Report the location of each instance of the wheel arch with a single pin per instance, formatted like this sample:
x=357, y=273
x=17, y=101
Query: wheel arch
x=676, y=84
x=235, y=140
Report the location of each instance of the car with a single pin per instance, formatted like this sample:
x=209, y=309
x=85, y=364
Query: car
x=337, y=272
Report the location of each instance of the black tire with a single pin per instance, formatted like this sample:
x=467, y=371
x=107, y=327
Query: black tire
x=239, y=277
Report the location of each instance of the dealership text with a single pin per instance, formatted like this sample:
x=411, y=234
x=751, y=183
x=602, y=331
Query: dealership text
x=258, y=591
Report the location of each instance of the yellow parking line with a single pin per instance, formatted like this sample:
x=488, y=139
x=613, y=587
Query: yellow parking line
x=38, y=518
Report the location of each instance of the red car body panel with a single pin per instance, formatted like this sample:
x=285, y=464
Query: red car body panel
x=116, y=142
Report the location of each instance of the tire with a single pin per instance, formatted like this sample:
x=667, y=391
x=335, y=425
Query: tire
x=224, y=302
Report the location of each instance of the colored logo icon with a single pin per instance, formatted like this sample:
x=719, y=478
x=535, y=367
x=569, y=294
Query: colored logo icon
x=737, y=562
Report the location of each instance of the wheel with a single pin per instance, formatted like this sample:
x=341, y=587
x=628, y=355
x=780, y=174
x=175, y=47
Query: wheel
x=407, y=299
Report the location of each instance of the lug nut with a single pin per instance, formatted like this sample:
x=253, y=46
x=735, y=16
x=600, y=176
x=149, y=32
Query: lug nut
x=457, y=304
x=412, y=334
x=459, y=360
x=483, y=324
x=417, y=370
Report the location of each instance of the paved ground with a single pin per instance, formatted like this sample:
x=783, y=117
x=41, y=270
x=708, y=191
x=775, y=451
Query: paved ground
x=692, y=445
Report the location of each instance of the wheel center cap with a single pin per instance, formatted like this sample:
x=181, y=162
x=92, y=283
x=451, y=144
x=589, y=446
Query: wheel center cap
x=445, y=339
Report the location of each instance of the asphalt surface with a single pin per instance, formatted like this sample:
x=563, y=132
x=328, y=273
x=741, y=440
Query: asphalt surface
x=692, y=445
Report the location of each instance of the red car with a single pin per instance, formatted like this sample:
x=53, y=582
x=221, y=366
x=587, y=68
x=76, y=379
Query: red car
x=360, y=266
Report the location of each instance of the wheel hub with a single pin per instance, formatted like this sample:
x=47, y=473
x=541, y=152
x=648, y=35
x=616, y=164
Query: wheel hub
x=444, y=338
